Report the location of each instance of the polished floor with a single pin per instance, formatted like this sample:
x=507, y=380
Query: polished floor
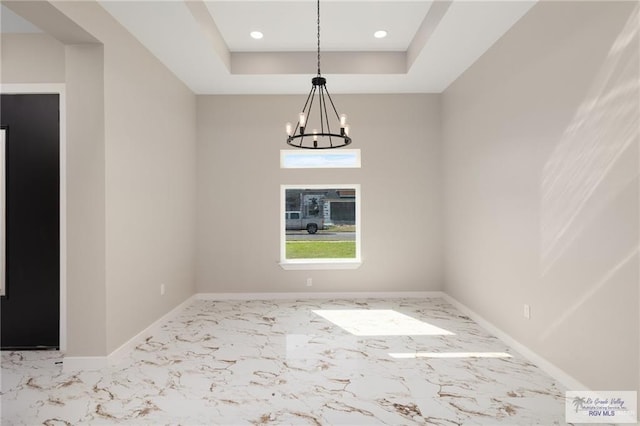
x=304, y=362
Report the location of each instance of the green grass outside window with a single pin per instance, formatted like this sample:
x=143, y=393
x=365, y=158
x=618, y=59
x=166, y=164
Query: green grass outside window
x=321, y=249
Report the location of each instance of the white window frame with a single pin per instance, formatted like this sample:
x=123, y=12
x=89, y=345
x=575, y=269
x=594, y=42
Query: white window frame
x=284, y=153
x=320, y=263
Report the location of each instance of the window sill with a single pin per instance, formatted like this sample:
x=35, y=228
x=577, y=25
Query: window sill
x=293, y=265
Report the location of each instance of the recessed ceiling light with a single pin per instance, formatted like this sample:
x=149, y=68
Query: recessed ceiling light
x=380, y=34
x=256, y=35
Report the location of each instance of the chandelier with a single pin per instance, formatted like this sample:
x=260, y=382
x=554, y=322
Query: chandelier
x=321, y=136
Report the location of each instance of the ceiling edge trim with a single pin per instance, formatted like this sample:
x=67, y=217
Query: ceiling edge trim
x=428, y=26
x=208, y=26
x=244, y=63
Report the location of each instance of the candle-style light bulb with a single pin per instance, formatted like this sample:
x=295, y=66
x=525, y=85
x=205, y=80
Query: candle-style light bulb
x=289, y=128
x=315, y=138
x=302, y=120
x=346, y=130
x=343, y=120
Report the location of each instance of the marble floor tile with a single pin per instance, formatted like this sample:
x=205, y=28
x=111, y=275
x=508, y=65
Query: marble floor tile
x=298, y=362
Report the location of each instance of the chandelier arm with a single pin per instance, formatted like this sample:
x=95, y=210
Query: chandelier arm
x=311, y=97
x=326, y=115
x=334, y=107
x=304, y=109
x=321, y=102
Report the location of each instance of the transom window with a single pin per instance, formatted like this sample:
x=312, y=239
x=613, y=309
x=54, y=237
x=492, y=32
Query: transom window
x=320, y=159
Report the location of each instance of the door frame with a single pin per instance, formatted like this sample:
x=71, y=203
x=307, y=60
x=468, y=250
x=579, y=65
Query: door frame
x=59, y=89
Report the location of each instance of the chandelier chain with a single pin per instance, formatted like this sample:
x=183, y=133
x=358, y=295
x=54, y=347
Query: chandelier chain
x=300, y=135
x=318, y=38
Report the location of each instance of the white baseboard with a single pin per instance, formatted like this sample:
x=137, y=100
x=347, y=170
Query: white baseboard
x=119, y=354
x=72, y=363
x=558, y=374
x=320, y=295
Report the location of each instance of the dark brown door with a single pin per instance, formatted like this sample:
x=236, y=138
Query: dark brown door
x=30, y=310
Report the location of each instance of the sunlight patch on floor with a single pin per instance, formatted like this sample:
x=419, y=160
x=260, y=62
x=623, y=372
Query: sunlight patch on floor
x=380, y=322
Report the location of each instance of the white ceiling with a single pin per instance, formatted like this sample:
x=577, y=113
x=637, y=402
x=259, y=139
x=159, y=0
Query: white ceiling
x=291, y=26
x=207, y=43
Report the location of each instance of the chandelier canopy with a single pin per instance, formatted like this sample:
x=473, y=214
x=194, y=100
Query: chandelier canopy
x=318, y=119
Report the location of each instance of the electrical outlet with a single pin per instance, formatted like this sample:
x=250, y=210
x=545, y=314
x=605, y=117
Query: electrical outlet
x=527, y=311
x=162, y=289
x=309, y=282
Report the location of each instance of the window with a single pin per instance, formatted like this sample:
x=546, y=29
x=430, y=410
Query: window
x=320, y=226
x=305, y=159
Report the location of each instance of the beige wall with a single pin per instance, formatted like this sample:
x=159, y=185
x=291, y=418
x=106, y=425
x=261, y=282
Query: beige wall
x=149, y=179
x=31, y=58
x=85, y=221
x=540, y=142
x=239, y=178
x=151, y=187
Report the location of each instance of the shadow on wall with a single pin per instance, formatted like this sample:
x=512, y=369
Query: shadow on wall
x=594, y=167
x=604, y=129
